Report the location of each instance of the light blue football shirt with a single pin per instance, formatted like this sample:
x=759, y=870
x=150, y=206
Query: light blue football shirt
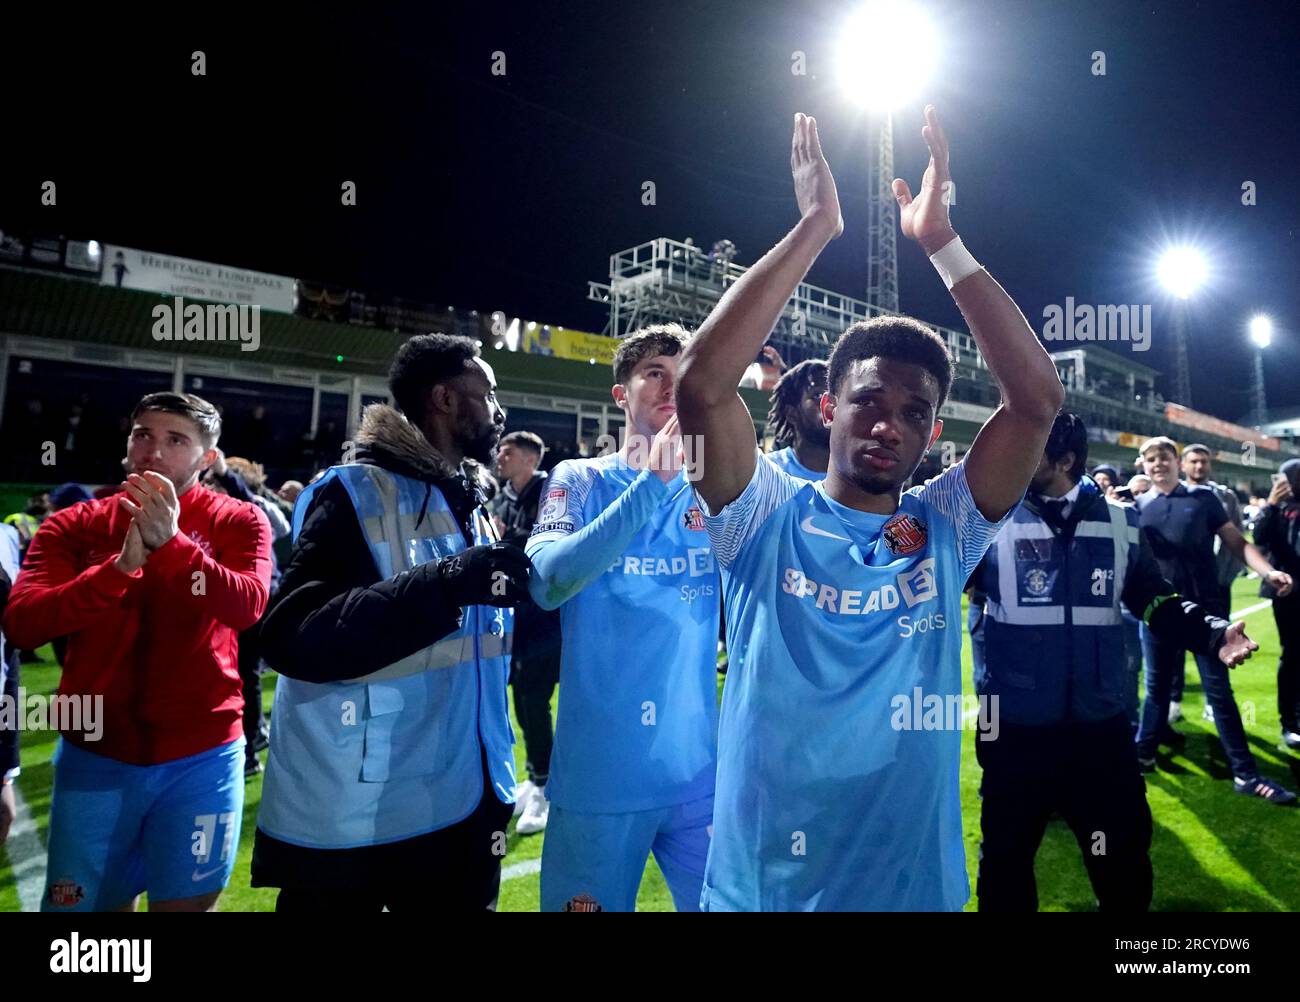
x=786, y=460
x=835, y=791
x=638, y=716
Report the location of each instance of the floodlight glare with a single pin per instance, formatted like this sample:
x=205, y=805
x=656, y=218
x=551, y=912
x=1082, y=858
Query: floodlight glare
x=887, y=53
x=1261, y=331
x=1181, y=270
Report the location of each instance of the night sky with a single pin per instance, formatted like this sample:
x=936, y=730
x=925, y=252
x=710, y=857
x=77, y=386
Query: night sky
x=511, y=192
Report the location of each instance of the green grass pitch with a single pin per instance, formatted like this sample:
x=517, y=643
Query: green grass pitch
x=1212, y=851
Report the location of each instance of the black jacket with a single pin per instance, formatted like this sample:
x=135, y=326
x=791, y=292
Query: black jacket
x=334, y=618
x=1277, y=533
x=537, y=631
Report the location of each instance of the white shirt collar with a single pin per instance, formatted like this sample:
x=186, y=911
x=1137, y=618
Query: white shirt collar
x=1070, y=497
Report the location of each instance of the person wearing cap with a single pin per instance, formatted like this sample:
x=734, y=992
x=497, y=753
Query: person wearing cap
x=1139, y=484
x=66, y=495
x=1106, y=477
x=1277, y=534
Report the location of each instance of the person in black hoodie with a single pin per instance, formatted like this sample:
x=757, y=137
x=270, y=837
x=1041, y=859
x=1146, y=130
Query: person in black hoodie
x=1277, y=534
x=337, y=620
x=535, y=661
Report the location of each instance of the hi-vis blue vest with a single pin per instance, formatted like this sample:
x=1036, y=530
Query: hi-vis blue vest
x=395, y=753
x=1053, y=636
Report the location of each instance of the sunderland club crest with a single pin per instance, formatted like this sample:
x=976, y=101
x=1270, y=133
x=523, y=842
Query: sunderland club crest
x=905, y=534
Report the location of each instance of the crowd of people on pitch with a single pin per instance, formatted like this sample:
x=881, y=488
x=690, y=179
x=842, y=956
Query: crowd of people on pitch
x=412, y=587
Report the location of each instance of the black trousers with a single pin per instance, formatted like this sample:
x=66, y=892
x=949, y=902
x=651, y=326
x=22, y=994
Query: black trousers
x=1286, y=611
x=1087, y=773
x=250, y=673
x=533, y=680
x=455, y=869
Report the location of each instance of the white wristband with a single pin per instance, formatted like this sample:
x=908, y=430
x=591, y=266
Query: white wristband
x=953, y=262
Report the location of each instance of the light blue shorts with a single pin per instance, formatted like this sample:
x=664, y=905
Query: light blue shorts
x=118, y=829
x=604, y=855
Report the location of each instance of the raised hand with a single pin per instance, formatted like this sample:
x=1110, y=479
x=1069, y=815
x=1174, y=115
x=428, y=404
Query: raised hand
x=814, y=187
x=150, y=500
x=1281, y=582
x=1237, y=647
x=666, y=451
x=925, y=218
x=773, y=357
x=133, y=554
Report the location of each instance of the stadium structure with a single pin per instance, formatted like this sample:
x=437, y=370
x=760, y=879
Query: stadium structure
x=78, y=347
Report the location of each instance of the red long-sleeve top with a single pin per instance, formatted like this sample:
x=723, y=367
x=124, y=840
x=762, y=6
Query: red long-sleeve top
x=160, y=645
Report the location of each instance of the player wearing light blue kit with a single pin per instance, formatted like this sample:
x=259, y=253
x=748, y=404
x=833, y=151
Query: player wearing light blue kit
x=786, y=461
x=838, y=745
x=795, y=418
x=621, y=549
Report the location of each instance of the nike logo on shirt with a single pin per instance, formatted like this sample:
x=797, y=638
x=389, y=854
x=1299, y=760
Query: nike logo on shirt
x=807, y=526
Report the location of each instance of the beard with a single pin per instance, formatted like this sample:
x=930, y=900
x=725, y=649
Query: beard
x=1039, y=484
x=480, y=443
x=878, y=483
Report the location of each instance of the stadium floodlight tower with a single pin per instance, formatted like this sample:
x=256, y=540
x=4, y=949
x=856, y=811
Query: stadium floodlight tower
x=883, y=72
x=1181, y=270
x=1261, y=335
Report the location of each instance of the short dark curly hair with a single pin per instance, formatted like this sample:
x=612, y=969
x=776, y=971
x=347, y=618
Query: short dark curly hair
x=900, y=338
x=423, y=361
x=661, y=339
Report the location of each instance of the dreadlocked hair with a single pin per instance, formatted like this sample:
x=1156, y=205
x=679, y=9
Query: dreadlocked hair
x=788, y=394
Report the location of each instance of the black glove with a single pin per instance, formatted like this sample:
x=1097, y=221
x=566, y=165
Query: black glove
x=486, y=575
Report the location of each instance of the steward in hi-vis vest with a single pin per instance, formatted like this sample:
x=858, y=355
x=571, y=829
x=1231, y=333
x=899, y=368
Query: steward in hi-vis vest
x=1050, y=673
x=391, y=773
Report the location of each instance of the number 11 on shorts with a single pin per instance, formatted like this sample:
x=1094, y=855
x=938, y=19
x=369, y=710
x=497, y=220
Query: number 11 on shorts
x=201, y=840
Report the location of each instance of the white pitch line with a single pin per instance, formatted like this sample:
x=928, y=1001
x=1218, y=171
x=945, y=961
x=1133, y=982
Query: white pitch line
x=26, y=856
x=1240, y=613
x=24, y=844
x=525, y=869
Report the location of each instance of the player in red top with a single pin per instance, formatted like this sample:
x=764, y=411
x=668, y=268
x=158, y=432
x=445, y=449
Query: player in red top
x=151, y=586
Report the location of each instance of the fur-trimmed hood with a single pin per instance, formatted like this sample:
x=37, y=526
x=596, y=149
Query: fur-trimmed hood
x=386, y=438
